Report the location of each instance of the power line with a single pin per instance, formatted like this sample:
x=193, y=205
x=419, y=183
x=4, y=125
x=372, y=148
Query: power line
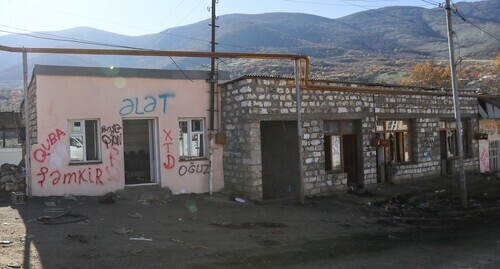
x=431, y=2
x=64, y=39
x=82, y=41
x=189, y=13
x=455, y=10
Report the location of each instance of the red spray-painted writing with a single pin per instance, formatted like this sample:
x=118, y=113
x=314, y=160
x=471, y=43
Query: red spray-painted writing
x=88, y=176
x=170, y=160
x=41, y=154
x=113, y=168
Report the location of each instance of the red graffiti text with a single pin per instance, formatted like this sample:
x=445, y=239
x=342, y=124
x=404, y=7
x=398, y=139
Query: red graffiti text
x=41, y=154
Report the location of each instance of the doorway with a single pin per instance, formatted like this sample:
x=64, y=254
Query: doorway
x=349, y=145
x=280, y=159
x=447, y=144
x=139, y=146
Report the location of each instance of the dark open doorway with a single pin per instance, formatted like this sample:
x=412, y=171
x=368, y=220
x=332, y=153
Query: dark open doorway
x=139, y=151
x=280, y=159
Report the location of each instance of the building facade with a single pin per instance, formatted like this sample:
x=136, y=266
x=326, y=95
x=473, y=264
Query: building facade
x=97, y=130
x=489, y=128
x=349, y=139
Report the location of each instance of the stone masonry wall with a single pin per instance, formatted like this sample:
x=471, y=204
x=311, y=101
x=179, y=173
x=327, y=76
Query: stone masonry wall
x=248, y=101
x=32, y=117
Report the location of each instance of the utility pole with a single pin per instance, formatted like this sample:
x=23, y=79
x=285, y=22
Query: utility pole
x=456, y=104
x=213, y=74
x=213, y=85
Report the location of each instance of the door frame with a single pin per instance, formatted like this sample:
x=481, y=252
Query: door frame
x=154, y=161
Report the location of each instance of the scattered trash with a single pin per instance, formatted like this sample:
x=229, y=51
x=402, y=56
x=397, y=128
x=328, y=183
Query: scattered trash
x=176, y=241
x=135, y=215
x=66, y=217
x=143, y=202
x=70, y=196
x=5, y=242
x=239, y=200
x=55, y=210
x=5, y=223
x=191, y=206
x=50, y=203
x=77, y=238
x=440, y=191
x=424, y=205
x=123, y=230
x=140, y=239
x=108, y=198
x=14, y=265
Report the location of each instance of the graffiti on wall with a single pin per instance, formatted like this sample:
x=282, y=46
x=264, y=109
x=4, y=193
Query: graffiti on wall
x=44, y=151
x=80, y=176
x=484, y=158
x=167, y=142
x=148, y=104
x=52, y=154
x=111, y=135
x=194, y=169
x=113, y=170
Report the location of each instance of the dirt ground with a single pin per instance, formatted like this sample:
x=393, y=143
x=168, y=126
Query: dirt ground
x=390, y=227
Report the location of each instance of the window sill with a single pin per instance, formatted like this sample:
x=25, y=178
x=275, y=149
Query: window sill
x=85, y=162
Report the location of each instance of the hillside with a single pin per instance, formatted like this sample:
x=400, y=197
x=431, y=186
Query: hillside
x=374, y=45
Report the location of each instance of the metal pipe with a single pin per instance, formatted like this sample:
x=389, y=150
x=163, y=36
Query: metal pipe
x=299, y=128
x=308, y=85
x=27, y=155
x=194, y=54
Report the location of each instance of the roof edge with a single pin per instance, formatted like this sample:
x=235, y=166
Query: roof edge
x=85, y=71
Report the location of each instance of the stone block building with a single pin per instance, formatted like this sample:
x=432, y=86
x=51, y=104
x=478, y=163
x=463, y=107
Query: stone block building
x=357, y=139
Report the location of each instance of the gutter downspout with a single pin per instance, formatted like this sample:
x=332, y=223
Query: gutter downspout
x=27, y=157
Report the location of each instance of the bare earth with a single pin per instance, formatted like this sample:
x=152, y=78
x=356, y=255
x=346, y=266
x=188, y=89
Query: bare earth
x=393, y=229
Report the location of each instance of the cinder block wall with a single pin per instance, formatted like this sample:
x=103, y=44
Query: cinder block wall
x=247, y=101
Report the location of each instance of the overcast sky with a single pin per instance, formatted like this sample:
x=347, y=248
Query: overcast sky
x=134, y=17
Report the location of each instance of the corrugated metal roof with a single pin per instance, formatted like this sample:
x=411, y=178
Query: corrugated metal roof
x=345, y=82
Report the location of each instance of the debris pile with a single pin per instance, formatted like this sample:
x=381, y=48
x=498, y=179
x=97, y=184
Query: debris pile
x=12, y=178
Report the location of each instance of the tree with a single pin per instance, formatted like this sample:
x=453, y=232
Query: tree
x=429, y=74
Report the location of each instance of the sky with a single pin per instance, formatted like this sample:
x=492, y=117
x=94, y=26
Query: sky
x=134, y=17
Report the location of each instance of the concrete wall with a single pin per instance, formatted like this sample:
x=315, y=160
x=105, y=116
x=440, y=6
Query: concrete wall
x=110, y=100
x=247, y=101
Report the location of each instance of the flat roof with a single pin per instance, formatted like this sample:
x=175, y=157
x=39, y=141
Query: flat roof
x=83, y=71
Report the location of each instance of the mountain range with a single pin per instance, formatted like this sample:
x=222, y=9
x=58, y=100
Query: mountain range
x=374, y=45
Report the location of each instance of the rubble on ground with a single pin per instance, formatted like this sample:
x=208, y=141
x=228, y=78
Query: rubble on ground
x=12, y=178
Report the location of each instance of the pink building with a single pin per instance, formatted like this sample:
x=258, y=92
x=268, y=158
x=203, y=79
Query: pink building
x=97, y=130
